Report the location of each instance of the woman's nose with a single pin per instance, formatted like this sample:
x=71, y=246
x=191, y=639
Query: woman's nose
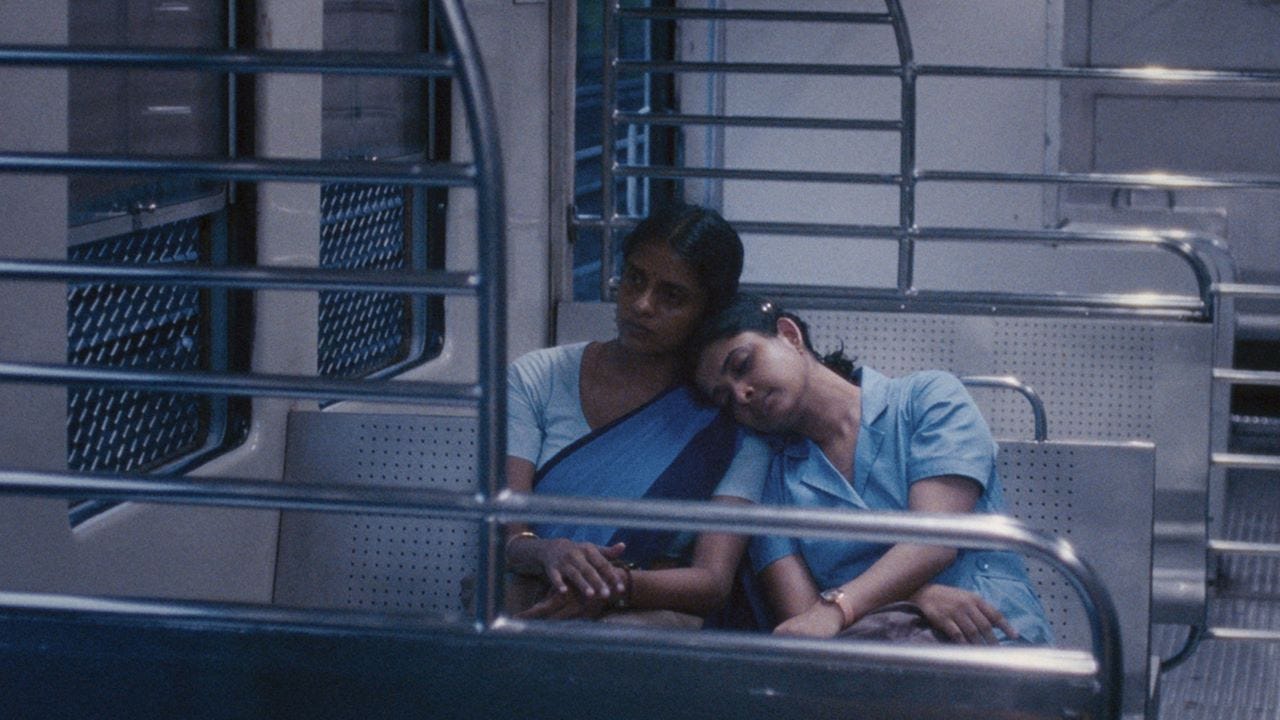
x=643, y=302
x=742, y=393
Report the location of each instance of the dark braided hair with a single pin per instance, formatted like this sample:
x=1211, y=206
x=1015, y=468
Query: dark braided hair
x=754, y=313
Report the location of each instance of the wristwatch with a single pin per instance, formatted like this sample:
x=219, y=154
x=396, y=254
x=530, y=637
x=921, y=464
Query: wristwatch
x=836, y=596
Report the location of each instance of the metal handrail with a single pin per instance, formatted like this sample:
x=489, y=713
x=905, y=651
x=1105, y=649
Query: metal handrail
x=438, y=174
x=1236, y=376
x=1204, y=254
x=1247, y=290
x=765, y=121
x=986, y=531
x=1241, y=461
x=1153, y=75
x=328, y=62
x=1153, y=181
x=307, y=387
x=421, y=282
x=1243, y=547
x=855, y=18
x=1012, y=383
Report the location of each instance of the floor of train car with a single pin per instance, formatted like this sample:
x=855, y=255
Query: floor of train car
x=1234, y=679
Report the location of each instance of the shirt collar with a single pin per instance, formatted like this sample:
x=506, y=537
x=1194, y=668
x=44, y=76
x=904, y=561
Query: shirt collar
x=875, y=395
x=875, y=401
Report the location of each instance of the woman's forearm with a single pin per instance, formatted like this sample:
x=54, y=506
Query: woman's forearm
x=698, y=589
x=897, y=575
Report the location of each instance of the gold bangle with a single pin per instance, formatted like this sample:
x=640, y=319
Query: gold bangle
x=522, y=534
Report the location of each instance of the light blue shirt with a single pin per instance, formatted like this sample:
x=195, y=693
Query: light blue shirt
x=915, y=427
x=544, y=416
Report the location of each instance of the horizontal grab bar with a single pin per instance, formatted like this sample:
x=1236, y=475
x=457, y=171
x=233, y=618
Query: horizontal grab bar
x=1235, y=633
x=257, y=169
x=762, y=121
x=421, y=282
x=289, y=386
x=233, y=61
x=1192, y=248
x=855, y=18
x=831, y=297
x=1127, y=180
x=744, y=68
x=1240, y=547
x=1138, y=74
x=1237, y=376
x=676, y=172
x=1241, y=461
x=1248, y=290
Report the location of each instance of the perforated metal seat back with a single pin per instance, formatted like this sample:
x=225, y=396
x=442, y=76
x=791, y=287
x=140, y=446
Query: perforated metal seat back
x=384, y=563
x=1098, y=496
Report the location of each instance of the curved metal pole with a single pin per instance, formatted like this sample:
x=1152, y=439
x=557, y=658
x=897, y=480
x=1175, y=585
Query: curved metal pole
x=491, y=237
x=1012, y=383
x=906, y=150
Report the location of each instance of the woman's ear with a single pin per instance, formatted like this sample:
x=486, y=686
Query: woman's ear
x=788, y=330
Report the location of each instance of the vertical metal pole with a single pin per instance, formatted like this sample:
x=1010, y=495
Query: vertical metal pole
x=608, y=92
x=490, y=234
x=233, y=127
x=907, y=153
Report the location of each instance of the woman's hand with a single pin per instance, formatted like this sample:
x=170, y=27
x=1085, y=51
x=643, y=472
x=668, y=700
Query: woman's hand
x=821, y=620
x=585, y=568
x=564, y=606
x=962, y=616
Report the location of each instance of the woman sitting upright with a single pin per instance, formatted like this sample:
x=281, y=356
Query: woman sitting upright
x=619, y=419
x=855, y=439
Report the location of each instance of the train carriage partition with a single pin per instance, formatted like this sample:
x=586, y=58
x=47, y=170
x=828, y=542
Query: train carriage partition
x=69, y=654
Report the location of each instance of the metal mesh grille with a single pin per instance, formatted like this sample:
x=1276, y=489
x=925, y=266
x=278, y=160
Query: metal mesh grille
x=154, y=327
x=362, y=226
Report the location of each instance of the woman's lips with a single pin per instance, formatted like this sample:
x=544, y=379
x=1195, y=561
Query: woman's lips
x=627, y=327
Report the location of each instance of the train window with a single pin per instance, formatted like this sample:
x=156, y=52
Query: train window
x=384, y=227
x=633, y=144
x=133, y=219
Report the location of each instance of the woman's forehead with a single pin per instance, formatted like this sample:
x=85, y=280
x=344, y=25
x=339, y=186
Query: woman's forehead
x=712, y=359
x=657, y=257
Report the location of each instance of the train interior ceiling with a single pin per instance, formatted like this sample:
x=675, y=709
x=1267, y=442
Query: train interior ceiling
x=263, y=264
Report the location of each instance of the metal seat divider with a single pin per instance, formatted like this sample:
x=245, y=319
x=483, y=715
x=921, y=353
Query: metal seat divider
x=1008, y=382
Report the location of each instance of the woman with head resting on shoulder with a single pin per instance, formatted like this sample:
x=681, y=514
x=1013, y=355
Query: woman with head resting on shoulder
x=619, y=419
x=851, y=438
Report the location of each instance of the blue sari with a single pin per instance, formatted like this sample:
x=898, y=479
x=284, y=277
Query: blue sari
x=670, y=448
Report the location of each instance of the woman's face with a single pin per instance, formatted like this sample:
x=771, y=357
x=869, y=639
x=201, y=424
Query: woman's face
x=760, y=379
x=660, y=301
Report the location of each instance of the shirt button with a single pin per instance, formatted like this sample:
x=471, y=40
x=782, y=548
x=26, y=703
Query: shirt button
x=984, y=565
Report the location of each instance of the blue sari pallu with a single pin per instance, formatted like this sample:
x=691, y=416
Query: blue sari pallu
x=670, y=448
